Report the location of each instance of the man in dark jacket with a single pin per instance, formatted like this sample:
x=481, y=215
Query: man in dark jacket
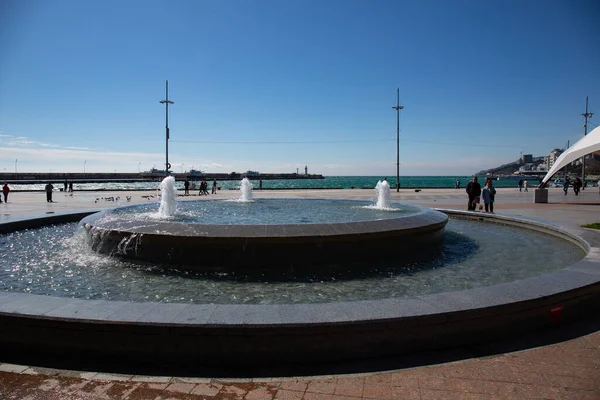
x=474, y=191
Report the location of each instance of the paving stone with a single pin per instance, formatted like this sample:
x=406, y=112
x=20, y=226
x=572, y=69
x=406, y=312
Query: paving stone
x=180, y=387
x=283, y=394
x=207, y=389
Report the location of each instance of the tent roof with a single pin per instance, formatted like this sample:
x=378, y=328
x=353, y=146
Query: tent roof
x=587, y=145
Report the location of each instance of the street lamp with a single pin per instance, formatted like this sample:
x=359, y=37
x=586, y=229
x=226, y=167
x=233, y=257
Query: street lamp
x=166, y=102
x=586, y=115
x=398, y=107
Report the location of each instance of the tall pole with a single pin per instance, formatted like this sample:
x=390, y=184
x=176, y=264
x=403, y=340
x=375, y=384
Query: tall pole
x=586, y=115
x=166, y=102
x=398, y=107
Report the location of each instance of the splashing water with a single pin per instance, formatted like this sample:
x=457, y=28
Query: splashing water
x=246, y=189
x=168, y=196
x=384, y=195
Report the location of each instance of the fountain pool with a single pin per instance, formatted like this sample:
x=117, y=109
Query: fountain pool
x=401, y=280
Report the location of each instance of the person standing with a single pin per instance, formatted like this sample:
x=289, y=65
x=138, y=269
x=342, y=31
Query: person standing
x=49, y=189
x=520, y=185
x=5, y=191
x=214, y=187
x=186, y=187
x=526, y=186
x=489, y=195
x=474, y=191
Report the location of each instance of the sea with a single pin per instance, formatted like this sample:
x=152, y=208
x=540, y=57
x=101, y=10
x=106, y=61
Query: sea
x=329, y=182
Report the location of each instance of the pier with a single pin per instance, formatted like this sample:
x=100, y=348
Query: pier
x=79, y=177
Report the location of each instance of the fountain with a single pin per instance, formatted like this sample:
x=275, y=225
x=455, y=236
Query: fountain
x=383, y=194
x=304, y=233
x=202, y=294
x=246, y=190
x=168, y=197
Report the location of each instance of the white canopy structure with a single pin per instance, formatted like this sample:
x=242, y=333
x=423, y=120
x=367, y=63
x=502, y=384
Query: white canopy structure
x=587, y=145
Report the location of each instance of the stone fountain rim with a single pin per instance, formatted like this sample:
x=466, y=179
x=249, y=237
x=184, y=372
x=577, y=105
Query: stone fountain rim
x=424, y=219
x=558, y=286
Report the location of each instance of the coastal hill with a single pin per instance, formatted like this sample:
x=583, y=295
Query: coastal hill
x=509, y=169
x=592, y=167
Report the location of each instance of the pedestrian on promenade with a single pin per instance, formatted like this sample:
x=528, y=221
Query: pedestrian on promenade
x=48, y=189
x=186, y=187
x=71, y=186
x=566, y=185
x=520, y=184
x=65, y=185
x=489, y=195
x=214, y=187
x=526, y=186
x=474, y=191
x=577, y=186
x=5, y=191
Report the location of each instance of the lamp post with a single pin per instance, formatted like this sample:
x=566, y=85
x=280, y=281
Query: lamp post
x=166, y=102
x=586, y=115
x=398, y=107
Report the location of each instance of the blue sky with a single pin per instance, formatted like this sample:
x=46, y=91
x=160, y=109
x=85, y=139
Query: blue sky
x=276, y=85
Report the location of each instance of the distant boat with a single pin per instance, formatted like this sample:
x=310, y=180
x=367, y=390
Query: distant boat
x=154, y=171
x=195, y=172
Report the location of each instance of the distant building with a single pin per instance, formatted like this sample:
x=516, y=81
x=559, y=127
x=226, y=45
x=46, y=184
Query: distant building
x=527, y=158
x=554, y=154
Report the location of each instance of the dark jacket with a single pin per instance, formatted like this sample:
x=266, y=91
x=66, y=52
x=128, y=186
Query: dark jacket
x=474, y=189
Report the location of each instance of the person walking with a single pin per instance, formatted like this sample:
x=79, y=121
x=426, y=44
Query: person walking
x=520, y=184
x=489, y=195
x=186, y=187
x=577, y=186
x=474, y=191
x=5, y=191
x=526, y=186
x=214, y=187
x=566, y=185
x=49, y=189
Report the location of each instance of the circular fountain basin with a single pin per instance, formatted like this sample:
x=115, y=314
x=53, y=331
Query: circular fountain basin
x=198, y=337
x=267, y=233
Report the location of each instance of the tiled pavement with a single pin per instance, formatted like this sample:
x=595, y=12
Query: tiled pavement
x=560, y=363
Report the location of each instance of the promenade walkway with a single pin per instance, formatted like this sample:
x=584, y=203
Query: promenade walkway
x=558, y=363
